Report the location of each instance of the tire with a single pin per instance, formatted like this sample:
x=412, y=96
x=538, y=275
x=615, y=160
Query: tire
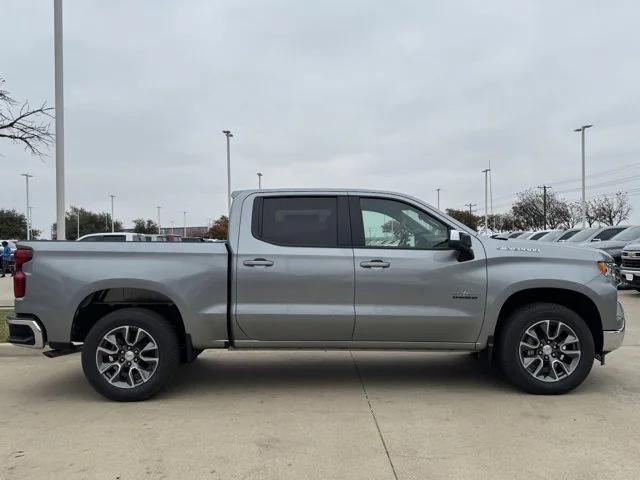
x=144, y=363
x=530, y=321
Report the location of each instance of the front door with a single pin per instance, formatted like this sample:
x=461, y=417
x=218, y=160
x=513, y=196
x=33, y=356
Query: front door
x=410, y=287
x=294, y=269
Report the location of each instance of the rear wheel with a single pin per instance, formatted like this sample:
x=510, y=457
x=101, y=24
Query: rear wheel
x=546, y=348
x=130, y=354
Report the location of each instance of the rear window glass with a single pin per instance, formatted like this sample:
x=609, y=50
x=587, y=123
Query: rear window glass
x=608, y=233
x=300, y=221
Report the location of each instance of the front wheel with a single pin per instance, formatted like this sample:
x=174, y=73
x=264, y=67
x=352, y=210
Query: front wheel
x=546, y=348
x=130, y=354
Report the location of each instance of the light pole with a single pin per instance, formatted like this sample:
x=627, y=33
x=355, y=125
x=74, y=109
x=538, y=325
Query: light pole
x=438, y=191
x=159, y=229
x=184, y=224
x=112, y=222
x=228, y=134
x=584, y=196
x=172, y=227
x=61, y=233
x=30, y=225
x=28, y=213
x=486, y=199
x=78, y=223
x=259, y=181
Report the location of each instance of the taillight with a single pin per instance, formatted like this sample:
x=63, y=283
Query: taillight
x=20, y=257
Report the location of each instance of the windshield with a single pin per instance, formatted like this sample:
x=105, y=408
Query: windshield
x=628, y=234
x=609, y=233
x=568, y=235
x=537, y=236
x=553, y=235
x=583, y=235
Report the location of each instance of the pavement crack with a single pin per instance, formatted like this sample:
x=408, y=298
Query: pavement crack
x=373, y=415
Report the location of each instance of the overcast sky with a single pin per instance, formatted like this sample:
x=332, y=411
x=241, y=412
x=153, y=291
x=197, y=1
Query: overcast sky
x=406, y=96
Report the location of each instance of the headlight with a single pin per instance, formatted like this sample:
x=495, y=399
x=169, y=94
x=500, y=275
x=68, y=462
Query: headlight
x=610, y=270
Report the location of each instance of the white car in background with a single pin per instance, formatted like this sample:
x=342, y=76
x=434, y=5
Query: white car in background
x=112, y=237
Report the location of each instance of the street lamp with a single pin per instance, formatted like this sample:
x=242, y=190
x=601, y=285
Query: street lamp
x=486, y=199
x=259, y=181
x=112, y=223
x=228, y=134
x=61, y=233
x=159, y=229
x=584, y=196
x=184, y=224
x=28, y=213
x=438, y=190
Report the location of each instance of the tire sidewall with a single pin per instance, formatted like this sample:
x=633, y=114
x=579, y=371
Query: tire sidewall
x=168, y=353
x=518, y=323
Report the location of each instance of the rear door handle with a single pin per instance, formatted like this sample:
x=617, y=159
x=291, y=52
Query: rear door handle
x=375, y=264
x=258, y=262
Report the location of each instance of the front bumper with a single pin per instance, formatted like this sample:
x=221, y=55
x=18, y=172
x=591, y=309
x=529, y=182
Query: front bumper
x=26, y=332
x=630, y=277
x=612, y=339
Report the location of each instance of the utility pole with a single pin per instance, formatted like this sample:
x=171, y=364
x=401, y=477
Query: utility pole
x=438, y=191
x=159, y=229
x=112, y=222
x=259, y=181
x=28, y=213
x=61, y=232
x=471, y=205
x=184, y=224
x=78, y=222
x=584, y=196
x=228, y=134
x=544, y=204
x=486, y=199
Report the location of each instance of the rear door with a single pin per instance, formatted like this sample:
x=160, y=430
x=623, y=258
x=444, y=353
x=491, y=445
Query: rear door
x=410, y=287
x=294, y=268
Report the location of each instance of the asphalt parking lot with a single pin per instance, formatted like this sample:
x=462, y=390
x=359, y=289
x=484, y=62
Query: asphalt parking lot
x=321, y=415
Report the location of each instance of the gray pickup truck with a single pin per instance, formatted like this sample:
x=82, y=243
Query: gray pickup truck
x=319, y=269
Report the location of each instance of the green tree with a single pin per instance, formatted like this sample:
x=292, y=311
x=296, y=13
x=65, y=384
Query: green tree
x=220, y=228
x=528, y=211
x=464, y=216
x=13, y=225
x=90, y=222
x=140, y=225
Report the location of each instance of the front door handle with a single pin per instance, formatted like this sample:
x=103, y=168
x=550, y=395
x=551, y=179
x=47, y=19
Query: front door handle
x=258, y=262
x=377, y=263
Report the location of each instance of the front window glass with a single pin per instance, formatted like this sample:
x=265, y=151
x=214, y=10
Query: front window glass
x=393, y=224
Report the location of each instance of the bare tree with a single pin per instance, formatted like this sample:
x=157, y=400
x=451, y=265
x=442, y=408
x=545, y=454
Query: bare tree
x=528, y=211
x=24, y=125
x=610, y=209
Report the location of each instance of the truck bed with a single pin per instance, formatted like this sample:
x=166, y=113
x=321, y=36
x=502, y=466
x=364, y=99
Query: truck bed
x=64, y=277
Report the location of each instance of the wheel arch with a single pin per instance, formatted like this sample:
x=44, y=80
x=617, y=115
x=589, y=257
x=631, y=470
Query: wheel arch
x=103, y=301
x=578, y=302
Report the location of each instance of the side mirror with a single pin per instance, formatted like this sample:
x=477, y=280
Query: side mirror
x=461, y=242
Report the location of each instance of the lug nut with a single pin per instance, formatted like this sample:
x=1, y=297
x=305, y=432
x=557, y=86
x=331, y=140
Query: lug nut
x=128, y=364
x=564, y=347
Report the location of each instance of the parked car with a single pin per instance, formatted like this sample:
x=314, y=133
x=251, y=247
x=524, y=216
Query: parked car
x=551, y=236
x=112, y=237
x=616, y=244
x=193, y=239
x=154, y=237
x=309, y=269
x=568, y=234
x=595, y=234
x=630, y=268
x=538, y=235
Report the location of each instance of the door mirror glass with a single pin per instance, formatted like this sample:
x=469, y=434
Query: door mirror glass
x=461, y=242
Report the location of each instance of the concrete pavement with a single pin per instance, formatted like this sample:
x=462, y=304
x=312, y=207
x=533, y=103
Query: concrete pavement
x=322, y=415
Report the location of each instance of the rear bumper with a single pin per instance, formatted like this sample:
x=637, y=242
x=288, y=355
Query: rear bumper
x=612, y=339
x=26, y=332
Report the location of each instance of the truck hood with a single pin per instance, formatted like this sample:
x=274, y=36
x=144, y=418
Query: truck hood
x=521, y=248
